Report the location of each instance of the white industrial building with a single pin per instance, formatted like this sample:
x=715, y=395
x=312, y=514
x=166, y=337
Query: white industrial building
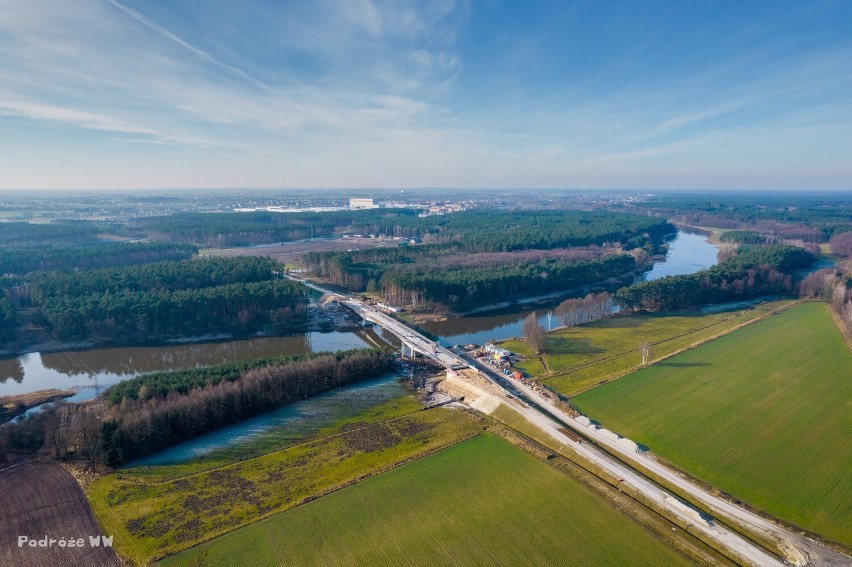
x=362, y=203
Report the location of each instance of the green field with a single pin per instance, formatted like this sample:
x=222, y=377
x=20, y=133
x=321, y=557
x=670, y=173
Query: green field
x=578, y=358
x=481, y=502
x=764, y=413
x=156, y=510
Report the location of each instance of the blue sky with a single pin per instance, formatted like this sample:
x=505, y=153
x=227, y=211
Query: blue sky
x=443, y=93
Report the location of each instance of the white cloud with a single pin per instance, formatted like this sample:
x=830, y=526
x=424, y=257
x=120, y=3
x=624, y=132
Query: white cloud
x=346, y=92
x=704, y=115
x=69, y=116
x=199, y=52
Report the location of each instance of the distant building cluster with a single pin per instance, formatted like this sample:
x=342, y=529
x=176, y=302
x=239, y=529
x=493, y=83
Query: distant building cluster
x=444, y=209
x=362, y=203
x=280, y=209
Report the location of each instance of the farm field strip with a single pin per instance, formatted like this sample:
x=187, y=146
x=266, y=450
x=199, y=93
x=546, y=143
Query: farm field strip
x=764, y=413
x=151, y=519
x=479, y=502
x=291, y=252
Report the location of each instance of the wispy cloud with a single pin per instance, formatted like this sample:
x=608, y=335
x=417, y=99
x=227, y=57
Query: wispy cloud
x=678, y=122
x=100, y=122
x=199, y=52
x=86, y=120
x=403, y=92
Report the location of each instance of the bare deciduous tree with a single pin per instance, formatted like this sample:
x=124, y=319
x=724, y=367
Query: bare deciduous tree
x=534, y=334
x=577, y=311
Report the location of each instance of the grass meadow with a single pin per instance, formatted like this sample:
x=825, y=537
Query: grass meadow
x=157, y=510
x=579, y=358
x=480, y=502
x=763, y=413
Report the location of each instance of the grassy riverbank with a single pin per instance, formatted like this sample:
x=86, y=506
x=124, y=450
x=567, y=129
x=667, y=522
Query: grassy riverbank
x=154, y=511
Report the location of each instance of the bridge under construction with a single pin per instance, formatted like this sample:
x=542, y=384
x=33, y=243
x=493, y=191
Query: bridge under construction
x=413, y=343
x=549, y=418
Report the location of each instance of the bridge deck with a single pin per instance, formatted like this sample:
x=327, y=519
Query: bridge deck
x=407, y=335
x=410, y=337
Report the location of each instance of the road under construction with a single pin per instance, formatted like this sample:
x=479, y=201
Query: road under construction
x=709, y=515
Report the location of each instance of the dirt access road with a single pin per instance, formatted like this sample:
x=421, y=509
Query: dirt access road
x=43, y=501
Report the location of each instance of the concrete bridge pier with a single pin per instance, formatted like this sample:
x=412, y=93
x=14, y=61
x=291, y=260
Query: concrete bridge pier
x=407, y=351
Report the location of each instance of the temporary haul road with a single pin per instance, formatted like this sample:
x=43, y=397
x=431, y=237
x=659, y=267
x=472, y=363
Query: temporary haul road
x=547, y=417
x=800, y=550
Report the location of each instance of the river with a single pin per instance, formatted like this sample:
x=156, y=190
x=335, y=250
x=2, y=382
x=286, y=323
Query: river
x=81, y=370
x=688, y=253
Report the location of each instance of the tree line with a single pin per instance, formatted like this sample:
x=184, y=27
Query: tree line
x=23, y=260
x=841, y=244
x=466, y=288
x=743, y=237
x=751, y=273
x=214, y=230
x=834, y=286
x=31, y=234
x=134, y=428
x=137, y=429
x=811, y=218
x=161, y=384
x=577, y=311
x=483, y=230
x=749, y=238
x=140, y=315
x=8, y=318
x=154, y=277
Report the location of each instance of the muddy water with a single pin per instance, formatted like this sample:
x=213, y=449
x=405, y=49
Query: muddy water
x=687, y=254
x=80, y=370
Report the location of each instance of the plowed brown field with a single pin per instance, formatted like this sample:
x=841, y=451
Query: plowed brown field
x=41, y=500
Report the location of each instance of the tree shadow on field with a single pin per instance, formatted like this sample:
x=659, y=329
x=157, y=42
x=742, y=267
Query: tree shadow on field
x=572, y=346
x=683, y=364
x=632, y=320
